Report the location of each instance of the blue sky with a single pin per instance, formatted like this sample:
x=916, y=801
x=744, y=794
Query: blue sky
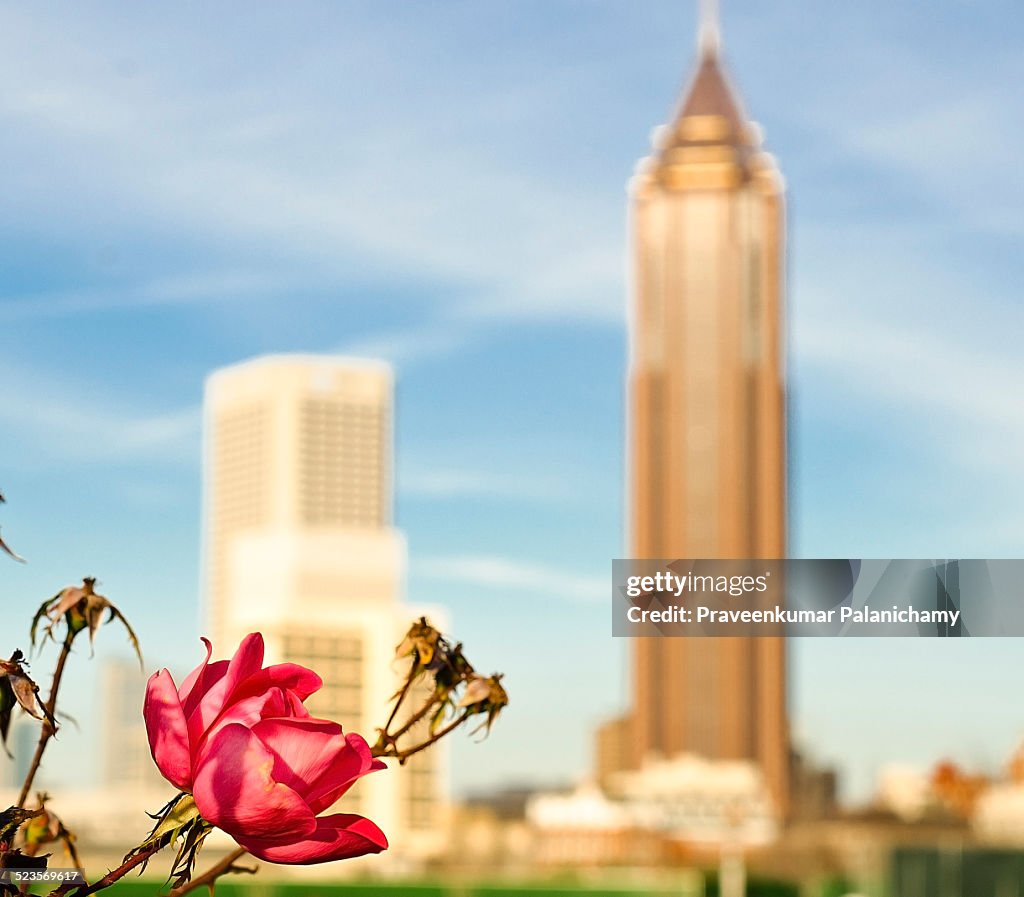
x=442, y=184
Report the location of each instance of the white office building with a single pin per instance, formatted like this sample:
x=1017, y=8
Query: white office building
x=299, y=544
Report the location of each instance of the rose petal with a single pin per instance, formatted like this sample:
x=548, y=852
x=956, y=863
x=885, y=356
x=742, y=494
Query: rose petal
x=338, y=837
x=190, y=680
x=167, y=731
x=290, y=676
x=314, y=757
x=248, y=660
x=358, y=762
x=201, y=680
x=249, y=711
x=235, y=790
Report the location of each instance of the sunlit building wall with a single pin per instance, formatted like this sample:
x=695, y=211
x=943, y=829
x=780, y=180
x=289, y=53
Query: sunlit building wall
x=299, y=545
x=126, y=756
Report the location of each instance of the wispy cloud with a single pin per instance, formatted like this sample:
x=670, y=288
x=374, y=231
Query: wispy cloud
x=968, y=393
x=490, y=572
x=956, y=148
x=405, y=346
x=185, y=289
x=60, y=421
x=458, y=483
x=216, y=163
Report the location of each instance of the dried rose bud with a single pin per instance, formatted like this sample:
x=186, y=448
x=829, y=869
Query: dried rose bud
x=485, y=695
x=421, y=641
x=46, y=827
x=81, y=607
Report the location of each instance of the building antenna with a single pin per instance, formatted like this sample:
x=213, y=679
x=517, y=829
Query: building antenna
x=709, y=35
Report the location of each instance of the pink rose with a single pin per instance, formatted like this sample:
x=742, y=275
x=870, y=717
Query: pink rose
x=237, y=736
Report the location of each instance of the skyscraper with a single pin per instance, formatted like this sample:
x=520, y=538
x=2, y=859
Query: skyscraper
x=706, y=420
x=299, y=545
x=126, y=758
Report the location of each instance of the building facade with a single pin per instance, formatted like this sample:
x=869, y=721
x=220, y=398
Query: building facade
x=299, y=545
x=706, y=444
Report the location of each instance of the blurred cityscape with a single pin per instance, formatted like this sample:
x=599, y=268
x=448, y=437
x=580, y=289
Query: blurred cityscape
x=699, y=786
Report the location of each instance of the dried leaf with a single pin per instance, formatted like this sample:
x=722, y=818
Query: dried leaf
x=7, y=703
x=27, y=694
x=65, y=600
x=478, y=690
x=95, y=607
x=6, y=549
x=54, y=608
x=132, y=637
x=17, y=687
x=12, y=819
x=15, y=859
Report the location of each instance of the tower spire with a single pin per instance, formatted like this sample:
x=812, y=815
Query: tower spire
x=709, y=35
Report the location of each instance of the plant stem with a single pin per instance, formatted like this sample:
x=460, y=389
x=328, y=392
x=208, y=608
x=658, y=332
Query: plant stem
x=115, y=875
x=402, y=756
x=46, y=731
x=223, y=867
x=402, y=694
x=410, y=722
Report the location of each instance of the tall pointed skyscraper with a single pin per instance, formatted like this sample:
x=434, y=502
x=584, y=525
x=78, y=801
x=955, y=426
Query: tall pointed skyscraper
x=706, y=421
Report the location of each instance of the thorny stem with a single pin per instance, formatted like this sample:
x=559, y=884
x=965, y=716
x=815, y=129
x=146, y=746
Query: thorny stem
x=224, y=867
x=382, y=750
x=141, y=857
x=114, y=875
x=401, y=697
x=47, y=731
x=409, y=723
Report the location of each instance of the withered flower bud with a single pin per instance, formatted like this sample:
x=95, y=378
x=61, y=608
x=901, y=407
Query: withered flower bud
x=421, y=641
x=17, y=688
x=485, y=695
x=450, y=670
x=454, y=693
x=46, y=827
x=81, y=607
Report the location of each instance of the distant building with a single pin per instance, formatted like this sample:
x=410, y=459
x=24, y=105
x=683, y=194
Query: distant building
x=998, y=816
x=126, y=758
x=814, y=789
x=299, y=545
x=707, y=422
x=700, y=802
x=22, y=738
x=665, y=811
